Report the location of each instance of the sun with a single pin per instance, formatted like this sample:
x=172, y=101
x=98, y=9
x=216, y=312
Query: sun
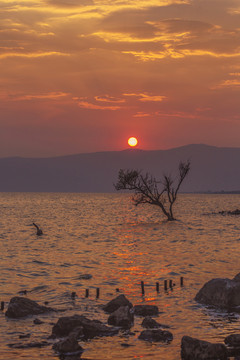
x=132, y=141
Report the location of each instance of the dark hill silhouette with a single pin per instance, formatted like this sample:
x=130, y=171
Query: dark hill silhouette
x=212, y=169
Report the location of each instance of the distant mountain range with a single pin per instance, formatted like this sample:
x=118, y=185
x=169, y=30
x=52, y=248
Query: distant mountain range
x=213, y=169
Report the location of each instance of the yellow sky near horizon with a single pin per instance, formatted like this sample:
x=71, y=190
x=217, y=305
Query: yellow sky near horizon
x=82, y=76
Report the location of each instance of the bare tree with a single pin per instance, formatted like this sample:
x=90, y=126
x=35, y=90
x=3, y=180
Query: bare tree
x=147, y=190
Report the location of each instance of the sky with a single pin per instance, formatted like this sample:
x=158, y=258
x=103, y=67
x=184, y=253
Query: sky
x=82, y=76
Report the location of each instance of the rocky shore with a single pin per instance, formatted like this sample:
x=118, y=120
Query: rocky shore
x=70, y=334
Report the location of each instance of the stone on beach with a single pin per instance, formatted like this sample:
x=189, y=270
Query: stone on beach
x=194, y=349
x=233, y=340
x=150, y=323
x=222, y=293
x=145, y=310
x=116, y=303
x=156, y=335
x=122, y=317
x=68, y=346
x=91, y=328
x=20, y=307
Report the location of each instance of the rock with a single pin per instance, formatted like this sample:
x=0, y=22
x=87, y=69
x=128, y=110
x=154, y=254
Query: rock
x=145, y=310
x=114, y=304
x=223, y=293
x=91, y=328
x=150, y=323
x=233, y=340
x=156, y=335
x=37, y=321
x=84, y=277
x=194, y=349
x=24, y=336
x=68, y=346
x=20, y=307
x=233, y=343
x=122, y=317
x=237, y=278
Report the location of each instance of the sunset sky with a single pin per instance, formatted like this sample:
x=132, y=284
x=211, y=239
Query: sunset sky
x=85, y=75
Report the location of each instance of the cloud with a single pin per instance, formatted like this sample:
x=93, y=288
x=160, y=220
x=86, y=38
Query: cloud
x=141, y=114
x=144, y=97
x=31, y=55
x=109, y=99
x=91, y=106
x=228, y=84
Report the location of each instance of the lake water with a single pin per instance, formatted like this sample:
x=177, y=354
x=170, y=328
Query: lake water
x=119, y=245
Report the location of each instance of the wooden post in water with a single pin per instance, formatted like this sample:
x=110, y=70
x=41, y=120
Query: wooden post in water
x=87, y=293
x=97, y=292
x=181, y=280
x=2, y=305
x=165, y=285
x=157, y=287
x=142, y=287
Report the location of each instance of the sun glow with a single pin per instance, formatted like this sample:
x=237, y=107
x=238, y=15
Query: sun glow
x=132, y=141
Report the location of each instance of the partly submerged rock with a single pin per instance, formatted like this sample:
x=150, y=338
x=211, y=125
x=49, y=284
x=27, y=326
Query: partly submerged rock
x=150, y=323
x=91, y=328
x=68, y=346
x=222, y=293
x=233, y=340
x=122, y=317
x=116, y=303
x=21, y=307
x=38, y=321
x=156, y=335
x=84, y=277
x=194, y=349
x=233, y=344
x=145, y=310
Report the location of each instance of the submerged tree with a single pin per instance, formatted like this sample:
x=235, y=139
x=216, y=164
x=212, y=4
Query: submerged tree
x=147, y=190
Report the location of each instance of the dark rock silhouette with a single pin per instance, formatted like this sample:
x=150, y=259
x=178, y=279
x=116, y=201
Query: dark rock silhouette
x=21, y=307
x=194, y=349
x=156, y=335
x=39, y=231
x=145, y=310
x=150, y=323
x=68, y=346
x=91, y=328
x=222, y=293
x=122, y=317
x=114, y=304
x=230, y=212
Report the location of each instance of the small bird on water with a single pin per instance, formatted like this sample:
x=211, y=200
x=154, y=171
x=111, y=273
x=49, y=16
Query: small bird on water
x=39, y=231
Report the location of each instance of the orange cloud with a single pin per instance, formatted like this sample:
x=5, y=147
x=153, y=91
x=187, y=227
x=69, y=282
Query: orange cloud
x=110, y=99
x=90, y=106
x=146, y=97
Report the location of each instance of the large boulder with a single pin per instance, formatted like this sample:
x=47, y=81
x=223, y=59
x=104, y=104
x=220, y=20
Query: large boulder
x=222, y=293
x=68, y=346
x=91, y=328
x=156, y=335
x=20, y=307
x=194, y=349
x=145, y=310
x=122, y=317
x=116, y=303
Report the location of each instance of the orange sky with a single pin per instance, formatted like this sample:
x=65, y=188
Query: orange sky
x=83, y=78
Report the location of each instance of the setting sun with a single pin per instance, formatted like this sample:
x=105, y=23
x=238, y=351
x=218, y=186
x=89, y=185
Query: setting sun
x=132, y=141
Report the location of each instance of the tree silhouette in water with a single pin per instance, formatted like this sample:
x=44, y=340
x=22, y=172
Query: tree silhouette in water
x=147, y=190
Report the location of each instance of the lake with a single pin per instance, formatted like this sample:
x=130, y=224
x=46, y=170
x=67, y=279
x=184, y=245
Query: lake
x=119, y=245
